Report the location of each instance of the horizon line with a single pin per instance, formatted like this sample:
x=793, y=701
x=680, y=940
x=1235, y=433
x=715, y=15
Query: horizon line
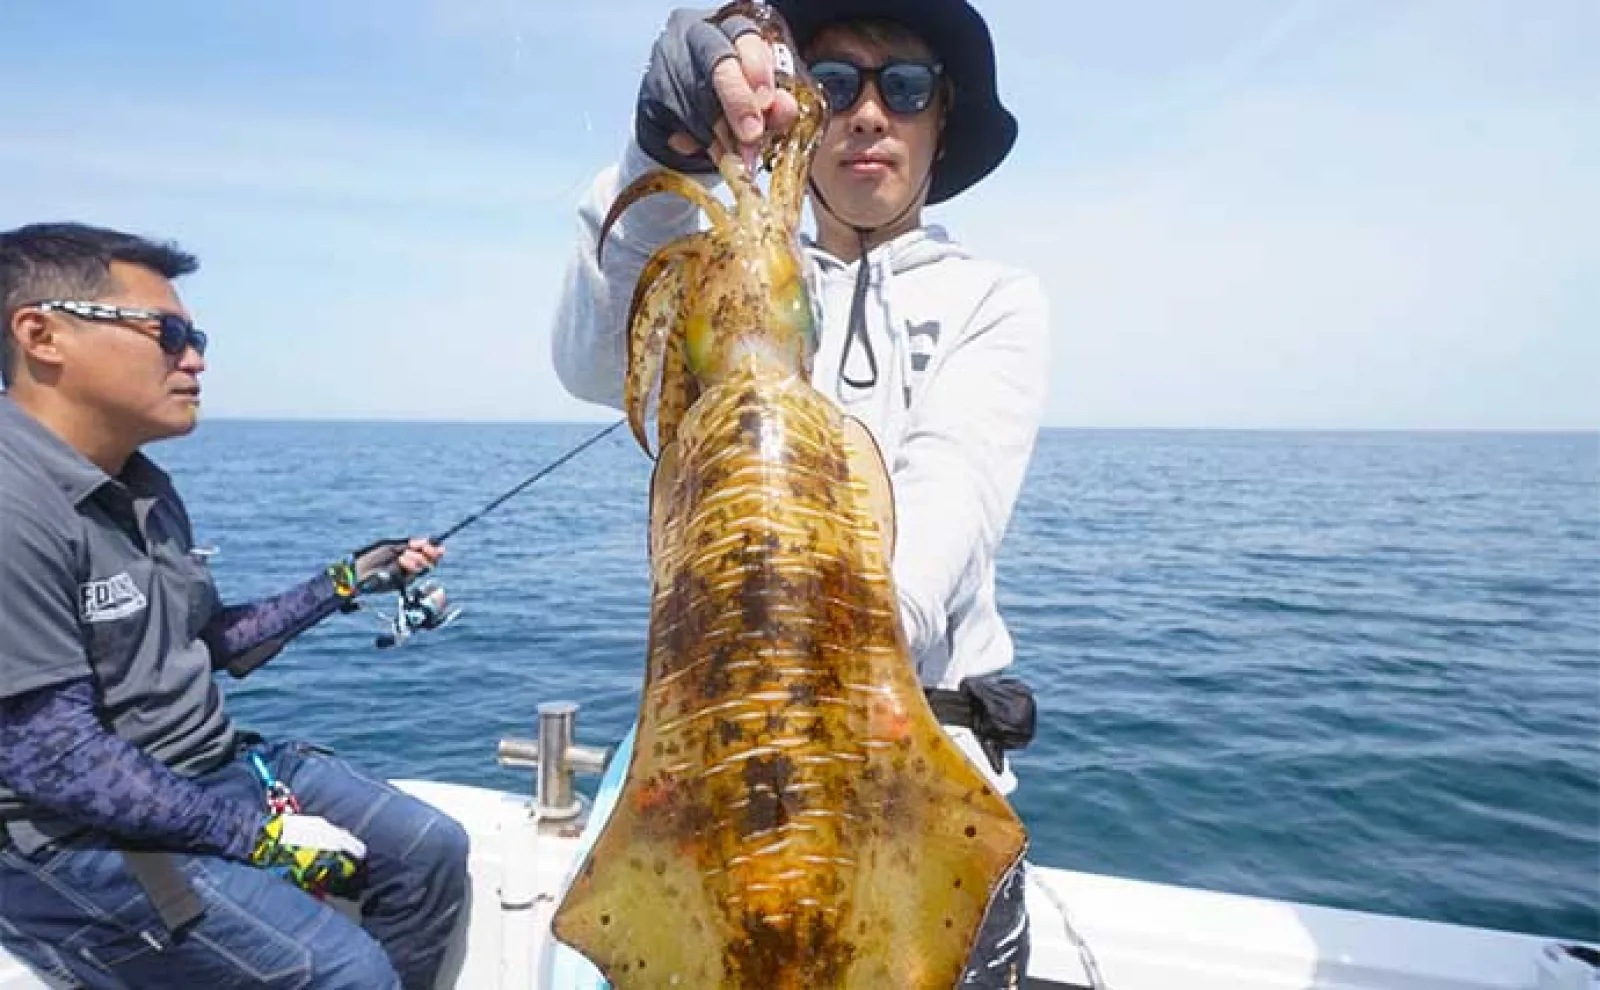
x=1048, y=427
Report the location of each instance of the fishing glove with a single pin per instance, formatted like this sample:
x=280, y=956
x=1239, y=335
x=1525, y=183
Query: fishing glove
x=312, y=853
x=373, y=569
x=677, y=94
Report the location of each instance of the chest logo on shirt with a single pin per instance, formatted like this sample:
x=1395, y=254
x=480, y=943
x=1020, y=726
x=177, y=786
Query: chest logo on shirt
x=114, y=598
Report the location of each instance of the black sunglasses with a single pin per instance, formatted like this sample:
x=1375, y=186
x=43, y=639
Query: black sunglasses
x=905, y=86
x=176, y=333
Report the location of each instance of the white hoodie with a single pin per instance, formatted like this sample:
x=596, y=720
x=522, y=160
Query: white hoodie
x=962, y=348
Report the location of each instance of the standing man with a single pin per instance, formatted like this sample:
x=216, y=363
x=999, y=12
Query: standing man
x=145, y=840
x=943, y=355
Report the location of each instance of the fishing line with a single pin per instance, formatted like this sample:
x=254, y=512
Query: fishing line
x=1091, y=968
x=542, y=472
x=425, y=605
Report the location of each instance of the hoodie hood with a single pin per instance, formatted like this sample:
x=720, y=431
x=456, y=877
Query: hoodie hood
x=926, y=245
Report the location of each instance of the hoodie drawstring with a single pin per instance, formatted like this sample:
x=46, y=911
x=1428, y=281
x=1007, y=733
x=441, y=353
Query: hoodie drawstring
x=858, y=322
x=858, y=300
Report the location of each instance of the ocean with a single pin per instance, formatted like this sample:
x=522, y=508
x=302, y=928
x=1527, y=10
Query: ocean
x=1353, y=669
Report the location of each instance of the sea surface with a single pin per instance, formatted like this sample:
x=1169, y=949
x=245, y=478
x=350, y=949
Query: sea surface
x=1353, y=669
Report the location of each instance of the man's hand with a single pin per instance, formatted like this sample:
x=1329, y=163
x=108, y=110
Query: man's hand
x=406, y=558
x=387, y=565
x=700, y=72
x=312, y=853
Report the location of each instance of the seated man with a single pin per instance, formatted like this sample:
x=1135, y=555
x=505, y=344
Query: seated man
x=145, y=840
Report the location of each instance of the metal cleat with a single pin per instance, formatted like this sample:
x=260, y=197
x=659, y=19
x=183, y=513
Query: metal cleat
x=557, y=758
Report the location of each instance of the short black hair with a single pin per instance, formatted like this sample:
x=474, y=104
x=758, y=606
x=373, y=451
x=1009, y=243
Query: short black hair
x=878, y=31
x=67, y=261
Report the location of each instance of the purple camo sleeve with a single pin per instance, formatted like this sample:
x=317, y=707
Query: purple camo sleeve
x=271, y=622
x=55, y=753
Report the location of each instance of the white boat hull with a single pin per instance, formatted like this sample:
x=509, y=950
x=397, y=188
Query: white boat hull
x=1141, y=936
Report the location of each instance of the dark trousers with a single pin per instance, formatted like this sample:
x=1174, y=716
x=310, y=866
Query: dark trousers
x=999, y=959
x=75, y=913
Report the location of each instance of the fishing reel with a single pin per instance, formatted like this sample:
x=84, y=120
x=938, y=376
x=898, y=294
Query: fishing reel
x=422, y=606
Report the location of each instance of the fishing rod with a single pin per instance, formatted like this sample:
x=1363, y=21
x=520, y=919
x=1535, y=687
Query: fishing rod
x=542, y=472
x=424, y=605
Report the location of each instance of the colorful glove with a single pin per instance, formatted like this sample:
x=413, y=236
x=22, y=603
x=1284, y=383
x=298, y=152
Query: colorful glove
x=313, y=854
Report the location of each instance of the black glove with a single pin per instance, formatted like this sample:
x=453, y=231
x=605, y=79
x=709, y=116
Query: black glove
x=677, y=93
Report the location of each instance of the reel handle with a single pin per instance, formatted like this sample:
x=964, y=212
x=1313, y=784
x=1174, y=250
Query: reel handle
x=423, y=606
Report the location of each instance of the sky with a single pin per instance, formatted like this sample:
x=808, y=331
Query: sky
x=1246, y=213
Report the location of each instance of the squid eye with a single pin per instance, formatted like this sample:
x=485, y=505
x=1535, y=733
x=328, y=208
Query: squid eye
x=699, y=342
x=791, y=308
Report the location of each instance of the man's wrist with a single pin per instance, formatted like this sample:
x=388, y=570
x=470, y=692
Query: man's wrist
x=343, y=575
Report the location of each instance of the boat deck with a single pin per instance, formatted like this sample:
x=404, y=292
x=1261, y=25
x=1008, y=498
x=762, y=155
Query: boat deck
x=1139, y=936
